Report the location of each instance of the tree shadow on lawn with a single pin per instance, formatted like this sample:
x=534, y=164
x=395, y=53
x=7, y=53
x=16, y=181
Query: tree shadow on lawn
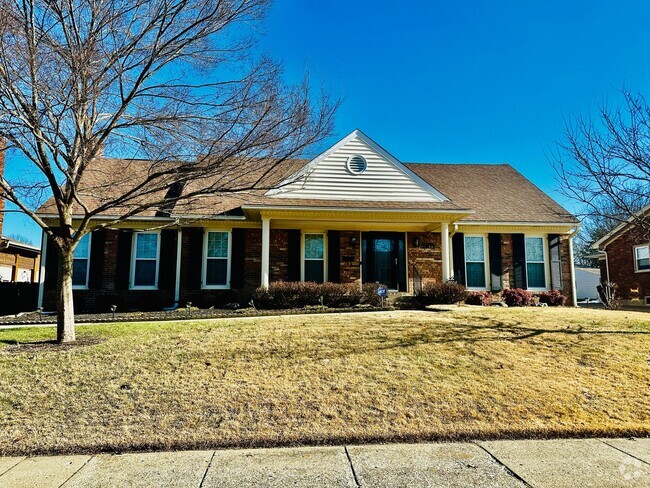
x=471, y=333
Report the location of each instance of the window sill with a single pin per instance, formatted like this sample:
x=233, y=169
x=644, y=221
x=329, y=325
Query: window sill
x=536, y=290
x=642, y=270
x=215, y=287
x=136, y=288
x=79, y=287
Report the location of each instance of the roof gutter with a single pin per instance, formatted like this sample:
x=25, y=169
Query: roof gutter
x=358, y=209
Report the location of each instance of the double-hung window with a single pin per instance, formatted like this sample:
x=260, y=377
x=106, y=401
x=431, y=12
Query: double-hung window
x=642, y=258
x=314, y=258
x=216, y=259
x=535, y=263
x=81, y=263
x=144, y=262
x=475, y=262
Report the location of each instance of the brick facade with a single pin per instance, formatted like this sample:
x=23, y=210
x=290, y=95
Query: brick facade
x=424, y=260
x=278, y=255
x=507, y=261
x=108, y=286
x=350, y=255
x=633, y=286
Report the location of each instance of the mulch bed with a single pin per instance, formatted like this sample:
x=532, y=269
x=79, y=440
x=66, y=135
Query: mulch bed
x=178, y=314
x=16, y=347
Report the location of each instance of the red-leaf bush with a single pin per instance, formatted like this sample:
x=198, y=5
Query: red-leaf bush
x=441, y=293
x=479, y=298
x=553, y=298
x=517, y=297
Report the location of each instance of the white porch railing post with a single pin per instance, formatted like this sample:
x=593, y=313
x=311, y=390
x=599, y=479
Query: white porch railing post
x=266, y=242
x=444, y=238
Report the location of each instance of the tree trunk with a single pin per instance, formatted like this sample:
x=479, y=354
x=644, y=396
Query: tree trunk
x=65, y=307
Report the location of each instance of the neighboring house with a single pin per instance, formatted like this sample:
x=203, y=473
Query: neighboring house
x=19, y=262
x=624, y=256
x=354, y=214
x=587, y=279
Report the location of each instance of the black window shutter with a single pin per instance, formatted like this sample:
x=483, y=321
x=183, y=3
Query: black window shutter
x=123, y=275
x=293, y=266
x=334, y=256
x=238, y=247
x=519, y=260
x=554, y=243
x=167, y=263
x=97, y=244
x=496, y=266
x=195, y=253
x=458, y=247
x=51, y=264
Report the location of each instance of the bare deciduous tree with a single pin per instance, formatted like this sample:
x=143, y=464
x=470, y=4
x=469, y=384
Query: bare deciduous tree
x=177, y=84
x=603, y=163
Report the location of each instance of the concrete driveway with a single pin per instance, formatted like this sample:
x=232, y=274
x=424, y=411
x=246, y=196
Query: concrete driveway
x=555, y=463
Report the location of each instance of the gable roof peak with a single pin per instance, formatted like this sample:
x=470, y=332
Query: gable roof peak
x=387, y=163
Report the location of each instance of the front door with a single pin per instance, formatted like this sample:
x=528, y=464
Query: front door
x=384, y=259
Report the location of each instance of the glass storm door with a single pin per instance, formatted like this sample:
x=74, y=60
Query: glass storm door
x=384, y=259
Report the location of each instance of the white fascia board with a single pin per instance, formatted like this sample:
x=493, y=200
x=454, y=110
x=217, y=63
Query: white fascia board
x=570, y=225
x=359, y=209
x=357, y=134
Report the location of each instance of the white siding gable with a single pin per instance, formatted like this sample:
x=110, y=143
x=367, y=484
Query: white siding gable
x=385, y=178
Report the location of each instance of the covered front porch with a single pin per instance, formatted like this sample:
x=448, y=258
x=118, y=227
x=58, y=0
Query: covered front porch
x=400, y=249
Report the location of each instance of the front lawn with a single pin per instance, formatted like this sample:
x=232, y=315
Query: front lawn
x=467, y=373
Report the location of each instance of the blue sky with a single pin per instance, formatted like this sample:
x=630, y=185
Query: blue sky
x=459, y=81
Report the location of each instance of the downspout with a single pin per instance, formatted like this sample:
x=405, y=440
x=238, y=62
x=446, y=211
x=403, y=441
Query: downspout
x=41, y=271
x=574, y=291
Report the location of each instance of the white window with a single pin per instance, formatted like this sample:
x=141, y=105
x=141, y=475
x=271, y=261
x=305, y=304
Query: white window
x=216, y=259
x=144, y=262
x=475, y=269
x=535, y=263
x=642, y=258
x=81, y=263
x=313, y=263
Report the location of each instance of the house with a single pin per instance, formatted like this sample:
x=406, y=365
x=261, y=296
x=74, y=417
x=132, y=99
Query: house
x=19, y=261
x=354, y=214
x=624, y=257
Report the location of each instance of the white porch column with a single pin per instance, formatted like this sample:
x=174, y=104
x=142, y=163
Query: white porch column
x=444, y=239
x=266, y=243
x=574, y=291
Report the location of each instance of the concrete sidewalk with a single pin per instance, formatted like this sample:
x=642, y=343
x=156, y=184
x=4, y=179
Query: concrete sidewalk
x=556, y=463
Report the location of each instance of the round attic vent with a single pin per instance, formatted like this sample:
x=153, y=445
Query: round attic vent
x=356, y=164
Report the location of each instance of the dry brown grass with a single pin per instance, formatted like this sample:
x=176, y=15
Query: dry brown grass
x=468, y=373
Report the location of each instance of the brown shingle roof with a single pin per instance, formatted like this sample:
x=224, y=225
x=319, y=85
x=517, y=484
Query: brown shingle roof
x=497, y=193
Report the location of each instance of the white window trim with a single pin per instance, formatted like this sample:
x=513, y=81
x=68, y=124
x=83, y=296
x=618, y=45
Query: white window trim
x=302, y=254
x=636, y=261
x=485, y=262
x=547, y=277
x=204, y=271
x=134, y=247
x=90, y=242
